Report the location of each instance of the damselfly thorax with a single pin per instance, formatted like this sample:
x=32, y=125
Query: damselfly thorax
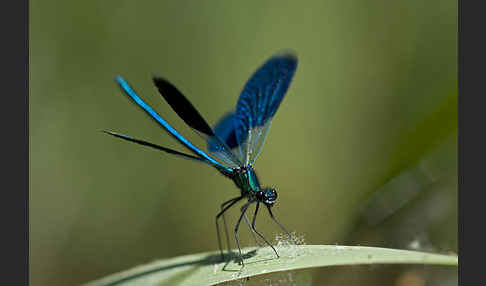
x=246, y=180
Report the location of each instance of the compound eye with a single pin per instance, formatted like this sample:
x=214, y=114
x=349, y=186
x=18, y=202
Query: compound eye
x=274, y=194
x=270, y=196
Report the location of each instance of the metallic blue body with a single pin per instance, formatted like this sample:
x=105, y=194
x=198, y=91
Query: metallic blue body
x=246, y=180
x=130, y=92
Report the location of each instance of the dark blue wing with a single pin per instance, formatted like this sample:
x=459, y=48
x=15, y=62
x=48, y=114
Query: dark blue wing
x=187, y=112
x=225, y=130
x=259, y=101
x=181, y=105
x=155, y=146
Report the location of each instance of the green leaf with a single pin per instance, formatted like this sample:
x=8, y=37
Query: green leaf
x=207, y=268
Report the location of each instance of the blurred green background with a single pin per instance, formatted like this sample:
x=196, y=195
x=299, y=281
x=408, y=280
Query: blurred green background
x=362, y=150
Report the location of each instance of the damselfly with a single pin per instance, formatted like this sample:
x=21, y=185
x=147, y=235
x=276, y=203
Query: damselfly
x=235, y=141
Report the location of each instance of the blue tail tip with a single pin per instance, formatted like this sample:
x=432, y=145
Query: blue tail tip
x=119, y=79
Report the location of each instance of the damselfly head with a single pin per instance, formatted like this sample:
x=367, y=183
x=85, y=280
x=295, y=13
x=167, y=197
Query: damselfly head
x=267, y=196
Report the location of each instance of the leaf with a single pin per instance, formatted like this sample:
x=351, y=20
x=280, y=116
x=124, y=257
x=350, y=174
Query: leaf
x=207, y=268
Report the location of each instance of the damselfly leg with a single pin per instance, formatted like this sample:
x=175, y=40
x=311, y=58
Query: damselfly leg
x=224, y=207
x=243, y=210
x=281, y=226
x=259, y=234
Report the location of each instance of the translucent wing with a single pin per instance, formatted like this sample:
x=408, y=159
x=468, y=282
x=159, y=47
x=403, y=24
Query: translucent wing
x=258, y=103
x=225, y=132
